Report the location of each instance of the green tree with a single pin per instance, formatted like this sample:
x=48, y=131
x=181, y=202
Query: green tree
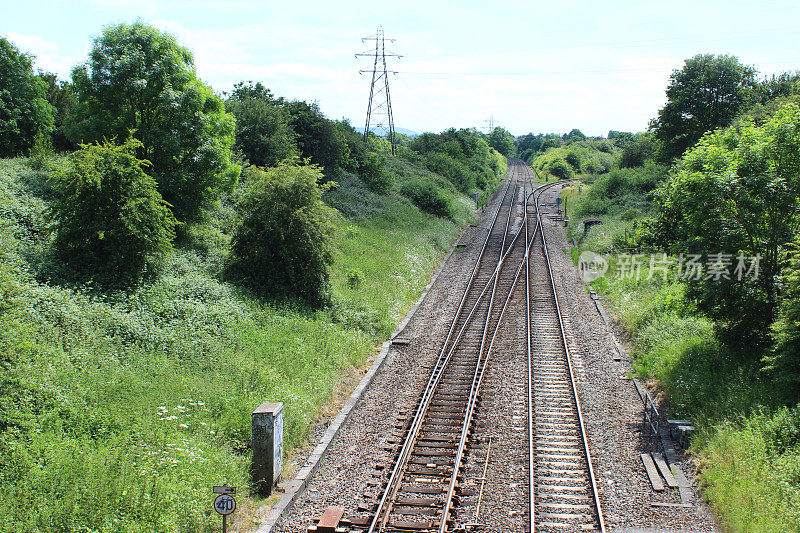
x=574, y=135
x=784, y=360
x=24, y=109
x=560, y=169
x=707, y=93
x=61, y=95
x=502, y=141
x=736, y=192
x=462, y=156
x=776, y=86
x=318, y=138
x=111, y=223
x=140, y=82
x=359, y=159
x=639, y=149
x=263, y=134
x=428, y=197
x=281, y=246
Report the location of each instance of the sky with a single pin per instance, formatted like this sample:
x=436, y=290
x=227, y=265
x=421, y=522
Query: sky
x=526, y=66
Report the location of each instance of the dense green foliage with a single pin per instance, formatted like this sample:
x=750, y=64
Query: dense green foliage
x=428, y=197
x=140, y=82
x=784, y=361
x=61, y=95
x=736, y=192
x=637, y=149
x=263, y=134
x=281, y=245
x=621, y=190
x=462, y=156
x=528, y=146
x=502, y=141
x=707, y=93
x=270, y=130
x=317, y=137
x=24, y=109
x=575, y=157
x=110, y=220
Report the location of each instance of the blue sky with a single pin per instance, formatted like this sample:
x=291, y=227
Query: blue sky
x=533, y=66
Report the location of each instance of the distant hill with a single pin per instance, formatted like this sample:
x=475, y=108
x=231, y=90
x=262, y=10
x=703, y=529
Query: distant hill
x=404, y=131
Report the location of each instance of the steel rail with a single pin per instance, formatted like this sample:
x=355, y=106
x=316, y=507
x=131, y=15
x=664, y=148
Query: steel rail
x=482, y=365
x=584, y=438
x=477, y=380
x=531, y=472
x=383, y=511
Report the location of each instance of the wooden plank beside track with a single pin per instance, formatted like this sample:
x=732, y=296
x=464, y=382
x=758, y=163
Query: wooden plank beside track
x=652, y=472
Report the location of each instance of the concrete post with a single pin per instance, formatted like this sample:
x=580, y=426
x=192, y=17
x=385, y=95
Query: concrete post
x=267, y=447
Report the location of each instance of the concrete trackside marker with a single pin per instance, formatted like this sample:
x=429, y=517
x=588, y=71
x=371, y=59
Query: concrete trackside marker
x=267, y=437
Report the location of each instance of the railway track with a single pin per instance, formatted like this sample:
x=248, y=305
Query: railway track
x=423, y=489
x=564, y=494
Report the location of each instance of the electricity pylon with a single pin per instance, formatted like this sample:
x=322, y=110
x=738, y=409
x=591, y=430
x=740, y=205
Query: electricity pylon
x=379, y=109
x=490, y=123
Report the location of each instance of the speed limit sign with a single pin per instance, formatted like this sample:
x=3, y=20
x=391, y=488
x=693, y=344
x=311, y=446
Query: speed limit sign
x=224, y=504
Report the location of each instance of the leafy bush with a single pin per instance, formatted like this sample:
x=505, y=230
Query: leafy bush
x=372, y=171
x=428, y=197
x=622, y=189
x=462, y=156
x=502, y=141
x=41, y=151
x=354, y=278
x=736, y=192
x=783, y=361
x=581, y=156
x=354, y=199
x=574, y=161
x=281, y=246
x=263, y=134
x=111, y=222
x=318, y=137
x=642, y=148
x=452, y=169
x=560, y=169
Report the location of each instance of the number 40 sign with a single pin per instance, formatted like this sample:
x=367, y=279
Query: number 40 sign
x=225, y=504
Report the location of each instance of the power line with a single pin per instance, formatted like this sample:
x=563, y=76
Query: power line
x=379, y=108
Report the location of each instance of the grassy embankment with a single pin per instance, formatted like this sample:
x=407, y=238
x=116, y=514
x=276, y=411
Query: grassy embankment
x=746, y=445
x=119, y=410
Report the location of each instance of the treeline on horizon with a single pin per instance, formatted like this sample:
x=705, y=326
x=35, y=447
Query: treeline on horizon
x=152, y=148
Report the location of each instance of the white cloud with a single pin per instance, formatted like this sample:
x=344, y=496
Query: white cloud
x=47, y=54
